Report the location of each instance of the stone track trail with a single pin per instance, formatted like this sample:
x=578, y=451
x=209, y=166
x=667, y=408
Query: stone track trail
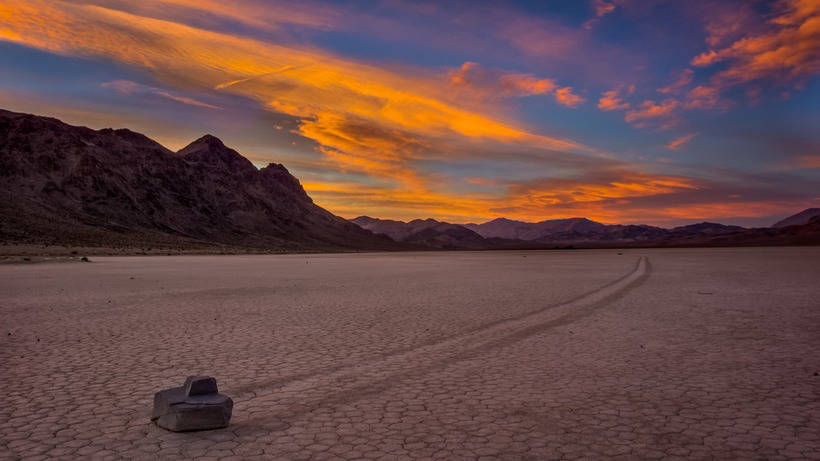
x=293, y=396
x=700, y=354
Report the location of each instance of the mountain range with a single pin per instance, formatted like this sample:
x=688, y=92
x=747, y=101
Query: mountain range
x=75, y=186
x=582, y=232
x=68, y=185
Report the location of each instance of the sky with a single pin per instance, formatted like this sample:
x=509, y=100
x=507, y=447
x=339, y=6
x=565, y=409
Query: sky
x=621, y=111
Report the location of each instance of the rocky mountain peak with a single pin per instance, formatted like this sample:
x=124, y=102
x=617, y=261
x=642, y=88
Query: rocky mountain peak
x=208, y=143
x=211, y=151
x=74, y=185
x=278, y=174
x=798, y=219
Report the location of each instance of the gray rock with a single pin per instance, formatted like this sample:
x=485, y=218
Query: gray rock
x=200, y=385
x=195, y=406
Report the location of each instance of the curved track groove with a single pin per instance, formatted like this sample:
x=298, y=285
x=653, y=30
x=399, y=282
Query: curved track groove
x=306, y=393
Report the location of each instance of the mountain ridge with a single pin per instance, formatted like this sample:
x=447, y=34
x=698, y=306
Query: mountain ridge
x=63, y=184
x=804, y=217
x=116, y=188
x=583, y=232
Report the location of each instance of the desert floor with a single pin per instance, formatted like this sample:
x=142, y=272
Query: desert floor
x=638, y=354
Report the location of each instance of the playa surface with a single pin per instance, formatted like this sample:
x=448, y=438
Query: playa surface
x=639, y=354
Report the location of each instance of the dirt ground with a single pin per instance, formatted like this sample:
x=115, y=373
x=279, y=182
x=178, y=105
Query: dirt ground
x=632, y=354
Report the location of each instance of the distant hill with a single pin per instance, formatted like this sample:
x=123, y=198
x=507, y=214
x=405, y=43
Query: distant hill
x=805, y=234
x=585, y=233
x=509, y=229
x=577, y=230
x=68, y=185
x=426, y=232
x=798, y=219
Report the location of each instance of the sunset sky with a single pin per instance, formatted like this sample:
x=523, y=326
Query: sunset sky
x=627, y=111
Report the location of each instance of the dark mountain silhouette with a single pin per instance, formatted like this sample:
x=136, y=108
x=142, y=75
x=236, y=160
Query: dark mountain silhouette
x=582, y=230
x=570, y=230
x=584, y=233
x=509, y=229
x=68, y=185
x=805, y=234
x=704, y=228
x=798, y=219
x=426, y=232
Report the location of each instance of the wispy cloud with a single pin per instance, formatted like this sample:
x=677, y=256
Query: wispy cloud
x=611, y=100
x=566, y=97
x=365, y=118
x=809, y=161
x=373, y=129
x=678, y=143
x=129, y=87
x=592, y=195
x=493, y=84
x=725, y=22
x=704, y=97
x=496, y=83
x=267, y=15
x=603, y=8
x=649, y=111
x=788, y=51
x=684, y=79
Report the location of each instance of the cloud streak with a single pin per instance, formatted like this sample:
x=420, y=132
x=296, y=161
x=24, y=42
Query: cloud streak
x=788, y=51
x=678, y=143
x=462, y=141
x=611, y=100
x=339, y=102
x=128, y=87
x=649, y=111
x=494, y=84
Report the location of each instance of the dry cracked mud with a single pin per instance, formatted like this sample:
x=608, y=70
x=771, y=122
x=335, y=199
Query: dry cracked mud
x=667, y=354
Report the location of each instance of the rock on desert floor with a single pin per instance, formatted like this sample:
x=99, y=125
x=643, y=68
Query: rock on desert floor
x=676, y=354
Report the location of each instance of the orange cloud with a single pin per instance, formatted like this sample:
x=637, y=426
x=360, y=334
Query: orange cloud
x=650, y=110
x=603, y=8
x=684, y=79
x=470, y=73
x=677, y=143
x=533, y=201
x=267, y=15
x=789, y=52
x=566, y=97
x=489, y=84
x=704, y=97
x=623, y=184
x=363, y=118
x=499, y=84
x=726, y=22
x=809, y=161
x=529, y=84
x=366, y=118
x=611, y=100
